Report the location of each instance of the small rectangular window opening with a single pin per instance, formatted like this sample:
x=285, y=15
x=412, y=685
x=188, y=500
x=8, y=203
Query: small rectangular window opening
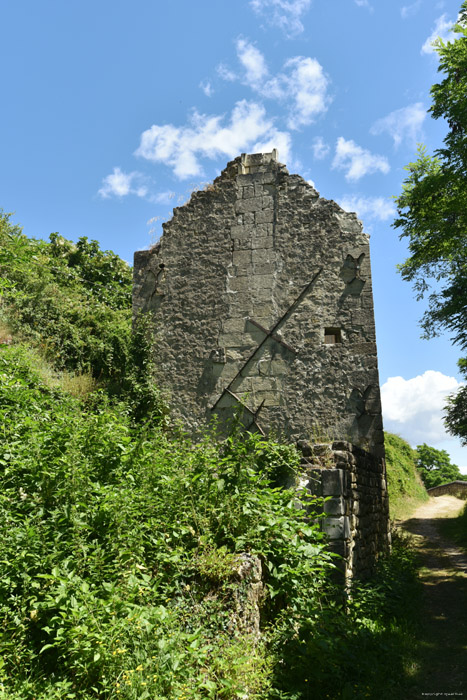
x=332, y=336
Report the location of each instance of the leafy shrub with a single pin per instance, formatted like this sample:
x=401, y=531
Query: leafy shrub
x=118, y=542
x=71, y=300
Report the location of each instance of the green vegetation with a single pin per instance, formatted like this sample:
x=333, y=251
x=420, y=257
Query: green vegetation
x=72, y=300
x=432, y=214
x=410, y=472
x=456, y=528
x=119, y=551
x=405, y=487
x=435, y=467
x=122, y=540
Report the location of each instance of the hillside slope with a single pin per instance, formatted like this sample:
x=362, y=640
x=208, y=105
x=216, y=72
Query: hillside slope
x=405, y=487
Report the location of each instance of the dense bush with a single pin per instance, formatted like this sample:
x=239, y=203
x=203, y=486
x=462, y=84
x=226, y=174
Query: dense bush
x=110, y=534
x=72, y=300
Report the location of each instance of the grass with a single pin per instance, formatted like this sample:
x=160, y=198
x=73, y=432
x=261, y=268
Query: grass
x=455, y=529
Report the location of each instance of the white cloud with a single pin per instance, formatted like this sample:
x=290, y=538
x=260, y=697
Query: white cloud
x=225, y=73
x=307, y=84
x=206, y=87
x=357, y=161
x=253, y=62
x=163, y=197
x=402, y=124
x=442, y=29
x=380, y=208
x=207, y=137
x=320, y=148
x=285, y=14
x=364, y=3
x=121, y=184
x=414, y=407
x=410, y=10
x=302, y=84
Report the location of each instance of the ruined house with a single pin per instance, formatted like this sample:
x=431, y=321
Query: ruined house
x=260, y=292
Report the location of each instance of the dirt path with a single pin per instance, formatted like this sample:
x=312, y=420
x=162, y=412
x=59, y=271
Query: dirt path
x=443, y=641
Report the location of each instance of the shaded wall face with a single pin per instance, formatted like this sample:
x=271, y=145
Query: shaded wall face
x=261, y=296
x=356, y=509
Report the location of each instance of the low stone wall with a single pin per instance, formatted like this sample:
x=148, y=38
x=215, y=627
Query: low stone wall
x=353, y=484
x=454, y=488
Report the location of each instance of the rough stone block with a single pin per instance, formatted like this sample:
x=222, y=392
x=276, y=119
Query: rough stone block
x=254, y=204
x=336, y=528
x=335, y=506
x=264, y=217
x=262, y=256
x=233, y=325
x=241, y=257
x=333, y=482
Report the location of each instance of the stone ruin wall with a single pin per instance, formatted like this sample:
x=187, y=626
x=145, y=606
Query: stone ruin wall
x=356, y=506
x=453, y=488
x=261, y=296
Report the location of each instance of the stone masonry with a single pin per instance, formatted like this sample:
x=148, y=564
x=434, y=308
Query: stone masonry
x=261, y=297
x=356, y=504
x=453, y=488
x=260, y=293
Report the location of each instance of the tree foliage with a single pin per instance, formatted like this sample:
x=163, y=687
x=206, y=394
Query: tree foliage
x=73, y=299
x=435, y=466
x=432, y=212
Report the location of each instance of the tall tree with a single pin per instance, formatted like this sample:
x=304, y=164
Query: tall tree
x=435, y=467
x=432, y=214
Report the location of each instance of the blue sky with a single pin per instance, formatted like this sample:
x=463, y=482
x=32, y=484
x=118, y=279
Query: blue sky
x=113, y=112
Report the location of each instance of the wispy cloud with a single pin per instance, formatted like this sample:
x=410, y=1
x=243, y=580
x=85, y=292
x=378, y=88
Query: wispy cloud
x=378, y=208
x=357, y=161
x=207, y=88
x=403, y=124
x=302, y=84
x=225, y=73
x=208, y=136
x=442, y=30
x=285, y=14
x=163, y=197
x=320, y=148
x=120, y=184
x=253, y=62
x=410, y=10
x=364, y=3
x=415, y=406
